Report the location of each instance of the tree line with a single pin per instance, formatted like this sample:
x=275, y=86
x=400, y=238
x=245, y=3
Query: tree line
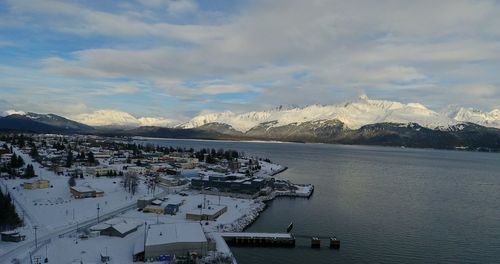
x=8, y=217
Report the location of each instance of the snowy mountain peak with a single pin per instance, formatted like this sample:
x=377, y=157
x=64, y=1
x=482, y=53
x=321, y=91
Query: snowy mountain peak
x=353, y=114
x=109, y=117
x=14, y=112
x=491, y=119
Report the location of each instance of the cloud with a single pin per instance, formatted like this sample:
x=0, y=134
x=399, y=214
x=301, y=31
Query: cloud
x=119, y=88
x=387, y=49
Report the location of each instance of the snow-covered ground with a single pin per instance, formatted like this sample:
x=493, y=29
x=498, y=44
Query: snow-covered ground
x=269, y=169
x=54, y=209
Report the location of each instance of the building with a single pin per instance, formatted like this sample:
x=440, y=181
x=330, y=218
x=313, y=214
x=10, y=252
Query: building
x=232, y=183
x=5, y=158
x=136, y=170
x=12, y=236
x=166, y=240
x=119, y=230
x=85, y=192
x=144, y=201
x=208, y=214
x=170, y=181
x=36, y=184
x=100, y=170
x=157, y=209
x=234, y=165
x=172, y=209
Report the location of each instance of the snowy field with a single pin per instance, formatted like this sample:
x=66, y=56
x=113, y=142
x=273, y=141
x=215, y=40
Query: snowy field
x=54, y=207
x=70, y=248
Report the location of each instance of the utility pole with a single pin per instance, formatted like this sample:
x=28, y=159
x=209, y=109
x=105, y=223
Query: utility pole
x=98, y=208
x=145, y=233
x=46, y=254
x=36, y=238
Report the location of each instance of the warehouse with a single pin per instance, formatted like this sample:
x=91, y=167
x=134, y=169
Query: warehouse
x=175, y=239
x=210, y=213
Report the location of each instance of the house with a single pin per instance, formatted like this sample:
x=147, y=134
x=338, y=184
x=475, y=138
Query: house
x=85, y=192
x=166, y=240
x=119, y=230
x=209, y=214
x=12, y=236
x=5, y=158
x=36, y=184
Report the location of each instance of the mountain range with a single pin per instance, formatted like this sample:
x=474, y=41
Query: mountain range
x=361, y=121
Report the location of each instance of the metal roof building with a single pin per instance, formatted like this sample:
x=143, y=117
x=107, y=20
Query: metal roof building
x=178, y=239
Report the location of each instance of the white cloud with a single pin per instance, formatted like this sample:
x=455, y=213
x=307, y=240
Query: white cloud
x=400, y=49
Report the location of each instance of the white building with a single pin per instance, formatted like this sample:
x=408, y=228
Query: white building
x=175, y=239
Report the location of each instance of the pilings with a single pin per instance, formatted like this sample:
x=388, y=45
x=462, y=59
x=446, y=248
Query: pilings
x=315, y=242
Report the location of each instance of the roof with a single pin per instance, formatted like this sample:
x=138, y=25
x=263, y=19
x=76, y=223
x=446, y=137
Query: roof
x=82, y=189
x=10, y=233
x=114, y=221
x=99, y=227
x=175, y=233
x=156, y=202
x=210, y=210
x=124, y=227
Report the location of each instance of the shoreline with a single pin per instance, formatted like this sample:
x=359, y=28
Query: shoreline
x=395, y=147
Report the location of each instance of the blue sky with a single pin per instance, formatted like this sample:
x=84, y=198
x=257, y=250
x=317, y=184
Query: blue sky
x=176, y=58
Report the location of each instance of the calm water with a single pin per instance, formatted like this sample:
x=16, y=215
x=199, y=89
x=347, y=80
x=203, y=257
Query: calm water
x=386, y=205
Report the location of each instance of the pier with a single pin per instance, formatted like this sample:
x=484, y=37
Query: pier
x=259, y=239
x=275, y=240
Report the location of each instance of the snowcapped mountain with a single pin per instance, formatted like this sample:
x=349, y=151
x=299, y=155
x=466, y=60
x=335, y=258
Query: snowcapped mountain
x=107, y=117
x=354, y=115
x=19, y=120
x=488, y=119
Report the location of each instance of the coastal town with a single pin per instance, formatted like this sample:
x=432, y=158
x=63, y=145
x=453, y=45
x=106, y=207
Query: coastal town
x=93, y=199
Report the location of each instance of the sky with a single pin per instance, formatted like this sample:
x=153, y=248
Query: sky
x=179, y=58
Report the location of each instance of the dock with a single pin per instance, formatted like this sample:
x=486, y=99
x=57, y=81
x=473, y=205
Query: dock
x=259, y=239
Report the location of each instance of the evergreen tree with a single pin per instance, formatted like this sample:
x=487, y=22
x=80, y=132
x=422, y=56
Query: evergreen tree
x=72, y=181
x=69, y=159
x=90, y=157
x=29, y=172
x=34, y=152
x=8, y=218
